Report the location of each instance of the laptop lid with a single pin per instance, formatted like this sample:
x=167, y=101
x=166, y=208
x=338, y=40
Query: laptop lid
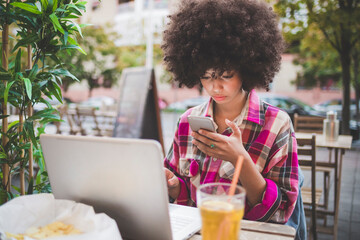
x=123, y=178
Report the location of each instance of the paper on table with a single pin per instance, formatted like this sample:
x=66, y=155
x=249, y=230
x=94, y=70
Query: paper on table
x=17, y=215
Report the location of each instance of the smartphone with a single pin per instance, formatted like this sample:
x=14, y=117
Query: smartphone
x=198, y=122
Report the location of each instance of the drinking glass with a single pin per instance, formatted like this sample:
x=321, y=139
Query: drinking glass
x=221, y=214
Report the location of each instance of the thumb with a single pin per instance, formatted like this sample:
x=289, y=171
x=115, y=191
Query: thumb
x=172, y=182
x=234, y=128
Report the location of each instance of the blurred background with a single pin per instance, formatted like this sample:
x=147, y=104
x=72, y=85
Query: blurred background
x=128, y=34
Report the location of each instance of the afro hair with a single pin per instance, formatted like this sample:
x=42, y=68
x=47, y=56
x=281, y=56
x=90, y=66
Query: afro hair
x=240, y=35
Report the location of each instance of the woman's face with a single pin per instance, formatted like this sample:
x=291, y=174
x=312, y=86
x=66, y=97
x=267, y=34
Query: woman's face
x=223, y=89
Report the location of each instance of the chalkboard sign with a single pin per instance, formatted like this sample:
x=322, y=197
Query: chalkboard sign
x=138, y=114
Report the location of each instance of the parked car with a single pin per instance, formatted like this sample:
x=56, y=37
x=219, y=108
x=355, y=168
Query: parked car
x=290, y=105
x=100, y=103
x=182, y=106
x=336, y=105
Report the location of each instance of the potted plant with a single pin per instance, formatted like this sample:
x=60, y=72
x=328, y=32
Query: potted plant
x=39, y=30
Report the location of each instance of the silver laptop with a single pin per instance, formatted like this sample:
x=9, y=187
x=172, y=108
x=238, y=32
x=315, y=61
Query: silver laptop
x=123, y=178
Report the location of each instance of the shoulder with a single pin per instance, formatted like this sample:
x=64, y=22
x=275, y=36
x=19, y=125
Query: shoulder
x=198, y=110
x=276, y=117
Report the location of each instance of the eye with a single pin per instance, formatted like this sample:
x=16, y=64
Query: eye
x=227, y=76
x=205, y=78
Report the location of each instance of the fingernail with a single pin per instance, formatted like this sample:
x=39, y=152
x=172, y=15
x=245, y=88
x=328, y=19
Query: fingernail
x=201, y=131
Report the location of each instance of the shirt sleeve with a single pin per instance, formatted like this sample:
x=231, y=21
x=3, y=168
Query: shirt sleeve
x=171, y=162
x=281, y=176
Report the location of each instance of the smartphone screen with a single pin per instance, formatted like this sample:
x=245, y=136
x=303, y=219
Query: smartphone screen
x=198, y=122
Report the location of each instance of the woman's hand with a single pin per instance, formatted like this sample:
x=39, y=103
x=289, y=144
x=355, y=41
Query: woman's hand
x=173, y=183
x=219, y=146
x=229, y=148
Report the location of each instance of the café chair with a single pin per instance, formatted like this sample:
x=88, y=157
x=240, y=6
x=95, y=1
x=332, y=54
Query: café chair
x=311, y=196
x=87, y=115
x=308, y=124
x=62, y=113
x=314, y=124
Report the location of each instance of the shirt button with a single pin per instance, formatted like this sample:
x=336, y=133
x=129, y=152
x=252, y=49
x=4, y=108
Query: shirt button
x=194, y=168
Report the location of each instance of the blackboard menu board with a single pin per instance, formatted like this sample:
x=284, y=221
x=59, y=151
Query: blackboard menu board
x=138, y=114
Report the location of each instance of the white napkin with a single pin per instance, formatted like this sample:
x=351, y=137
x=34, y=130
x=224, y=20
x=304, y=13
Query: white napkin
x=21, y=213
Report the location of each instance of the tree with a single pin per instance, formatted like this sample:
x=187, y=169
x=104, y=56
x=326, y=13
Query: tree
x=104, y=62
x=319, y=61
x=339, y=22
x=99, y=62
x=43, y=28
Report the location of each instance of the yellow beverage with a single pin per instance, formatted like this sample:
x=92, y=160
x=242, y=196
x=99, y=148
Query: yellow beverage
x=220, y=220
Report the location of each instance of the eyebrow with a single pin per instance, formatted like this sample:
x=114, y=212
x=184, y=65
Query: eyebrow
x=226, y=71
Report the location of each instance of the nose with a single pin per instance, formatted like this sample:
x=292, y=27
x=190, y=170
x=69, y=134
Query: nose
x=217, y=85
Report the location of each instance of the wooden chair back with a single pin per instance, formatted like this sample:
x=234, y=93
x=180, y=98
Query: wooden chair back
x=307, y=157
x=87, y=113
x=62, y=112
x=310, y=124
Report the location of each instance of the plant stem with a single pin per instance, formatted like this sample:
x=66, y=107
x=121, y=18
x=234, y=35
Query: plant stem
x=30, y=113
x=5, y=54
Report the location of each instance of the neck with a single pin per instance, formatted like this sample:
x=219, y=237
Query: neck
x=232, y=109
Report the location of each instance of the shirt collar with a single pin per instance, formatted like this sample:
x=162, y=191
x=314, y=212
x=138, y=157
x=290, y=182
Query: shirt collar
x=251, y=111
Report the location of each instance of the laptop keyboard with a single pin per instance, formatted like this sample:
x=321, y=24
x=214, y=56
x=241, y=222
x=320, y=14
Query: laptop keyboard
x=179, y=222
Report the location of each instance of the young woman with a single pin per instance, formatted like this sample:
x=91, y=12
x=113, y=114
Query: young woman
x=232, y=47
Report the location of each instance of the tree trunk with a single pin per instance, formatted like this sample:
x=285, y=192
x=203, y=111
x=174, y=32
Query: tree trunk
x=4, y=139
x=356, y=82
x=345, y=65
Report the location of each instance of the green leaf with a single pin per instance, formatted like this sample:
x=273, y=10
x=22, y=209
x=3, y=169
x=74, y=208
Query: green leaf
x=38, y=5
x=73, y=42
x=44, y=3
x=54, y=90
x=65, y=73
x=13, y=124
x=43, y=113
x=38, y=176
x=81, y=6
x=33, y=72
x=5, y=76
x=26, y=7
x=6, y=93
x=56, y=23
x=26, y=41
x=74, y=9
x=58, y=90
x=55, y=4
x=3, y=155
x=4, y=116
x=78, y=28
x=31, y=186
x=18, y=61
x=66, y=35
x=28, y=87
x=16, y=188
x=29, y=128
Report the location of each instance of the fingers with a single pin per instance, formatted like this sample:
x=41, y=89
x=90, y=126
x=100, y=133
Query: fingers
x=173, y=182
x=202, y=139
x=234, y=127
x=171, y=178
x=204, y=148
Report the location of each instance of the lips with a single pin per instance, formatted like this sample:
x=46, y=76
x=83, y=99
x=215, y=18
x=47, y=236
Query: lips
x=219, y=98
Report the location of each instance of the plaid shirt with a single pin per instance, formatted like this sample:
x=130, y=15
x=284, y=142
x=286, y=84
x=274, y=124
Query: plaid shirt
x=267, y=135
